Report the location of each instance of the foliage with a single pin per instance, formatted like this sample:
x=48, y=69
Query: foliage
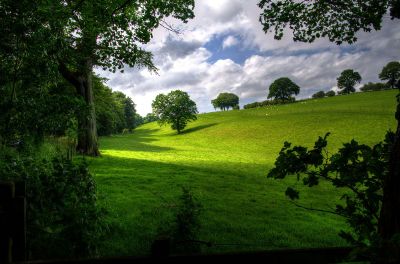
x=339, y=21
x=346, y=81
x=282, y=89
x=225, y=100
x=320, y=94
x=63, y=219
x=374, y=87
x=391, y=73
x=330, y=93
x=34, y=113
x=150, y=117
x=175, y=108
x=269, y=103
x=236, y=107
x=114, y=110
x=356, y=167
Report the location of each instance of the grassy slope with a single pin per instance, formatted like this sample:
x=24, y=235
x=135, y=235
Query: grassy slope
x=224, y=157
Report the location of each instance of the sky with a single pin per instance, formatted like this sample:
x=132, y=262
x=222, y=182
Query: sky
x=223, y=49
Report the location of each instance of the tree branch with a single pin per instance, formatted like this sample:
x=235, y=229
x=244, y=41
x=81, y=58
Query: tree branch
x=68, y=75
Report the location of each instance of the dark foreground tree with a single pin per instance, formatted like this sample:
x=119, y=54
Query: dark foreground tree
x=283, y=89
x=340, y=21
x=346, y=81
x=175, y=108
x=225, y=100
x=391, y=74
x=107, y=34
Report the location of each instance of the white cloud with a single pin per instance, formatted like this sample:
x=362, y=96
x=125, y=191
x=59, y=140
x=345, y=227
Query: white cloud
x=229, y=42
x=184, y=64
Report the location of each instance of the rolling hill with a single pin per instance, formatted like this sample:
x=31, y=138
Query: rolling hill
x=224, y=158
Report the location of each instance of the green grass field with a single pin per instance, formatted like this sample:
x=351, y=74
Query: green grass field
x=224, y=158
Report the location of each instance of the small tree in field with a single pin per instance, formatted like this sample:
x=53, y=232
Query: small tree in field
x=283, y=89
x=225, y=100
x=391, y=74
x=175, y=108
x=347, y=79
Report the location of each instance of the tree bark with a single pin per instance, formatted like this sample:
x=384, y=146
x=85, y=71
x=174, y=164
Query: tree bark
x=87, y=129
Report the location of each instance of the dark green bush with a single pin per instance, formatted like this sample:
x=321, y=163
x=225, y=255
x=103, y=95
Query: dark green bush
x=320, y=94
x=63, y=219
x=330, y=93
x=374, y=87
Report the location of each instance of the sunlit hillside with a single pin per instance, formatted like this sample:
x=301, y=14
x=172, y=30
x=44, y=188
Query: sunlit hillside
x=224, y=158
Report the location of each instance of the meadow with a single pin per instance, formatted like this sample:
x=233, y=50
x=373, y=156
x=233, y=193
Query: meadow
x=224, y=158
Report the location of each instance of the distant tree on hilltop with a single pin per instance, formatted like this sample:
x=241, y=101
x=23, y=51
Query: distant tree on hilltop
x=347, y=79
x=391, y=73
x=225, y=100
x=283, y=89
x=320, y=94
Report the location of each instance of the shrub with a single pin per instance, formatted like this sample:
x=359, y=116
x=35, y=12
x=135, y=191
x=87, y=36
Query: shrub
x=330, y=93
x=236, y=107
x=374, y=87
x=63, y=219
x=320, y=94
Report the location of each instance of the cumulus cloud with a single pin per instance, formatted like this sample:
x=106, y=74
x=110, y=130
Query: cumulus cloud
x=184, y=60
x=229, y=42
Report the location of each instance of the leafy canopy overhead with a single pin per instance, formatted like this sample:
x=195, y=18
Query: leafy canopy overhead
x=282, y=89
x=175, y=108
x=347, y=79
x=339, y=21
x=112, y=32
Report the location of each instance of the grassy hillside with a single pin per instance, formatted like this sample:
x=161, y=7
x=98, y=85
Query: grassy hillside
x=224, y=157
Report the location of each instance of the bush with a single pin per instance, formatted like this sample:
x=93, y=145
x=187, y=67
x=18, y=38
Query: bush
x=63, y=219
x=236, y=107
x=269, y=102
x=330, y=93
x=320, y=94
x=374, y=87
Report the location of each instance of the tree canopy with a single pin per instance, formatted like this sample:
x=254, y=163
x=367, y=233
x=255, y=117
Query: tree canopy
x=175, y=108
x=391, y=74
x=283, y=89
x=347, y=79
x=225, y=100
x=75, y=36
x=339, y=21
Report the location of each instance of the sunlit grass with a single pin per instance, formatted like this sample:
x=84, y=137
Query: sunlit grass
x=224, y=157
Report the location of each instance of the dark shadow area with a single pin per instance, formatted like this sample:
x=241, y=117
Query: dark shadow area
x=136, y=141
x=197, y=128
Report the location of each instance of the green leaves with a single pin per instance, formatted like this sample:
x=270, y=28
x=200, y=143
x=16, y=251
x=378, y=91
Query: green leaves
x=175, y=108
x=282, y=89
x=347, y=79
x=337, y=20
x=356, y=167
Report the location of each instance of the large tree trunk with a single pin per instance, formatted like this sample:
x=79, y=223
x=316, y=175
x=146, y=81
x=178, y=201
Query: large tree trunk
x=87, y=134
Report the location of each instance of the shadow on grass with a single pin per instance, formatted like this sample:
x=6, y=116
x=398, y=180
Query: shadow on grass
x=136, y=141
x=197, y=128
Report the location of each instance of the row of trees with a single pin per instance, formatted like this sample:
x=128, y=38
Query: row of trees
x=114, y=110
x=349, y=78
